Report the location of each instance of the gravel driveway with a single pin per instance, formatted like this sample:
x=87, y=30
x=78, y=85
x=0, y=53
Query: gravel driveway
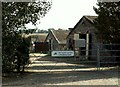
x=47, y=71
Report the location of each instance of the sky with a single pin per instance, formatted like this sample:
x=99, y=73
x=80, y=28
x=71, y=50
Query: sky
x=65, y=14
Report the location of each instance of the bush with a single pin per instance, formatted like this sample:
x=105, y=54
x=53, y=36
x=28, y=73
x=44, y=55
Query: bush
x=15, y=53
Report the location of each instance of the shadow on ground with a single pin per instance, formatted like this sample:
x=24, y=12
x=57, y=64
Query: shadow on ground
x=58, y=71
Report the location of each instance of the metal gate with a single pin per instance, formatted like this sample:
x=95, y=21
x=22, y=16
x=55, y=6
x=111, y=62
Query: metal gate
x=97, y=57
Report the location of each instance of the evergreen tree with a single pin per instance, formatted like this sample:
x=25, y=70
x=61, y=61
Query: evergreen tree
x=108, y=21
x=108, y=26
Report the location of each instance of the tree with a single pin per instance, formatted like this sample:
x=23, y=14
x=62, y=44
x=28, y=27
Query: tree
x=108, y=25
x=15, y=48
x=42, y=31
x=28, y=31
x=108, y=21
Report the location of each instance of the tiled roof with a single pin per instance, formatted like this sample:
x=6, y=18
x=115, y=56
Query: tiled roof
x=40, y=37
x=60, y=35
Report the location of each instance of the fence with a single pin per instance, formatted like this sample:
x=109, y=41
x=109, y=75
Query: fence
x=96, y=57
x=103, y=56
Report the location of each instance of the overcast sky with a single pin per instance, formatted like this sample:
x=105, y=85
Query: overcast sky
x=66, y=13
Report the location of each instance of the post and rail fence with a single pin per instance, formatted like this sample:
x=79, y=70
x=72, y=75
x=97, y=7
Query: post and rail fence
x=98, y=56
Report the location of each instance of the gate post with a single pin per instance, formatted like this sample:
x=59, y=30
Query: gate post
x=98, y=57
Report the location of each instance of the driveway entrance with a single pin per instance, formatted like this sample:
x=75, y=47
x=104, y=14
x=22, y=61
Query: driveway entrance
x=61, y=64
x=45, y=70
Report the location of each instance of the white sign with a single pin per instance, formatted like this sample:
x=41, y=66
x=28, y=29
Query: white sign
x=62, y=53
x=80, y=43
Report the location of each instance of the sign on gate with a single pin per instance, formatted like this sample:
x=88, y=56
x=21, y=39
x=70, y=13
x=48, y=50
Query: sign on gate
x=62, y=53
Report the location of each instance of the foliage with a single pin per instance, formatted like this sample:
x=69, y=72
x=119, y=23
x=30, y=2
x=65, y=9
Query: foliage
x=17, y=14
x=28, y=31
x=108, y=21
x=42, y=31
x=108, y=25
x=15, y=52
x=15, y=48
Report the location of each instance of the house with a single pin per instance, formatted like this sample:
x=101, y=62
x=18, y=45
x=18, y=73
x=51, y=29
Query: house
x=57, y=39
x=38, y=37
x=84, y=29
